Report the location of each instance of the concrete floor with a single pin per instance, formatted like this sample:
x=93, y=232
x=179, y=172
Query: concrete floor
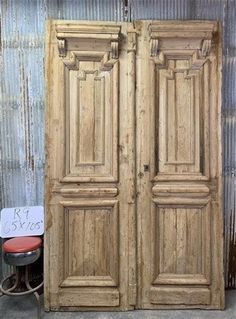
x=24, y=307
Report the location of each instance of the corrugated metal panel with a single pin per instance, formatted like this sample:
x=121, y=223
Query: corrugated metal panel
x=160, y=9
x=230, y=28
x=229, y=167
x=22, y=90
x=178, y=9
x=229, y=142
x=84, y=9
x=21, y=113
x=229, y=137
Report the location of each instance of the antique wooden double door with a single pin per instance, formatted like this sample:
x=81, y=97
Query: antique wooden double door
x=133, y=177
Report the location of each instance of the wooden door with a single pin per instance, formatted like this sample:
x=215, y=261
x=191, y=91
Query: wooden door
x=133, y=188
x=178, y=158
x=90, y=184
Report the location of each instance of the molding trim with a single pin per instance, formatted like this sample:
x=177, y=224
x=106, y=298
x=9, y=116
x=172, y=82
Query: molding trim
x=73, y=38
x=173, y=38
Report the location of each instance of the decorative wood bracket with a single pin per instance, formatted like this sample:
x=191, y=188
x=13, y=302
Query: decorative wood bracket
x=206, y=48
x=61, y=47
x=114, y=50
x=72, y=61
x=154, y=47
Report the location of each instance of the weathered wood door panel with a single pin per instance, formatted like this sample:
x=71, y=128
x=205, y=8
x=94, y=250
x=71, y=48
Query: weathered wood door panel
x=178, y=139
x=90, y=254
x=133, y=214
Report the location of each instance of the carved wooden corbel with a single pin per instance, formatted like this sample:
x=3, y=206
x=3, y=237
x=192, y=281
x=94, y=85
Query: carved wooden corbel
x=71, y=61
x=206, y=47
x=107, y=62
x=154, y=47
x=110, y=57
x=61, y=47
x=114, y=50
x=199, y=57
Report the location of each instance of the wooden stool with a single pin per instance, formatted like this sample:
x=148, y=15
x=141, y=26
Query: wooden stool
x=20, y=252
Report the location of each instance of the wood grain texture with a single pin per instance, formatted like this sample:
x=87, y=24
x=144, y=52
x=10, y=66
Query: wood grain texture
x=91, y=235
x=179, y=196
x=180, y=296
x=88, y=297
x=90, y=184
x=182, y=245
x=133, y=179
x=92, y=123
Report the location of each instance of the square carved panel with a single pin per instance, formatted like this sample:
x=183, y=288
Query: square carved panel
x=91, y=243
x=182, y=242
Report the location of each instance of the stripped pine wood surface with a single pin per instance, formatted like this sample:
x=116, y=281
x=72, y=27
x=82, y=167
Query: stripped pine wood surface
x=133, y=178
x=179, y=212
x=91, y=160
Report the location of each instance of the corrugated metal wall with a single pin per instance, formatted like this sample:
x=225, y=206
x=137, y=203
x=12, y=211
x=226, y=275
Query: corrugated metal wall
x=22, y=90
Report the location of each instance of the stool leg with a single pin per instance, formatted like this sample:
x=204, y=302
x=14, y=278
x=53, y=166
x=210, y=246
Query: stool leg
x=6, y=291
x=16, y=280
x=35, y=292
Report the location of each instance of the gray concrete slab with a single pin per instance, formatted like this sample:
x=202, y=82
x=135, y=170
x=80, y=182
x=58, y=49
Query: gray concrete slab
x=25, y=307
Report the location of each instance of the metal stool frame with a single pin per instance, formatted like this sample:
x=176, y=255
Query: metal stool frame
x=17, y=274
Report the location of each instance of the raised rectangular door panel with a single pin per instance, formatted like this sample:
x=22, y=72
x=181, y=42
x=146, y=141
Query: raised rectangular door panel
x=179, y=213
x=91, y=245
x=90, y=207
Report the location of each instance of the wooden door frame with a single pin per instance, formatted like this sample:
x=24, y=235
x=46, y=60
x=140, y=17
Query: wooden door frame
x=115, y=43
x=152, y=190
x=139, y=46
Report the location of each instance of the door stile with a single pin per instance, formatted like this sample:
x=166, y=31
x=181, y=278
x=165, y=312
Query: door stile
x=144, y=161
x=126, y=147
x=131, y=102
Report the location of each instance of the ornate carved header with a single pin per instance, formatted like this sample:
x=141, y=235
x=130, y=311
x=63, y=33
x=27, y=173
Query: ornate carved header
x=84, y=41
x=172, y=38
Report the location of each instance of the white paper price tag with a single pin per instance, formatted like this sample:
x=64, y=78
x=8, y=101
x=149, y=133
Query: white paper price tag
x=22, y=221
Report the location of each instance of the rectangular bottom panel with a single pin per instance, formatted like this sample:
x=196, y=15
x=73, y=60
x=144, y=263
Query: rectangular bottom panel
x=89, y=297
x=180, y=296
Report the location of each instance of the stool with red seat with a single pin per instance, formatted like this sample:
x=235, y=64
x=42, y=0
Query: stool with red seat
x=20, y=252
